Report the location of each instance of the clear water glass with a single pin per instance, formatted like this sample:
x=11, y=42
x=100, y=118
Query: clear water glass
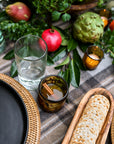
x=31, y=58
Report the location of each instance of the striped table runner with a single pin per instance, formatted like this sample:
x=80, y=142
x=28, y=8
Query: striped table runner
x=55, y=125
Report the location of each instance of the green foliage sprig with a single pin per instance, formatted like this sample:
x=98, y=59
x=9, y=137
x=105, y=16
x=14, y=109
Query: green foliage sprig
x=13, y=30
x=71, y=64
x=107, y=43
x=57, y=8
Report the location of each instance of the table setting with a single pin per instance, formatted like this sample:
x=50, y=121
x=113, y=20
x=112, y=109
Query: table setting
x=56, y=72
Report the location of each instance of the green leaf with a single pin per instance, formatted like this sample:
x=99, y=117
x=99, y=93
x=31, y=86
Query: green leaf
x=66, y=17
x=100, y=3
x=72, y=44
x=111, y=54
x=2, y=47
x=66, y=5
x=13, y=70
x=63, y=6
x=75, y=74
x=78, y=60
x=49, y=60
x=83, y=46
x=66, y=61
x=9, y=55
x=59, y=54
x=3, y=16
x=67, y=76
x=64, y=42
x=55, y=15
x=25, y=51
x=61, y=73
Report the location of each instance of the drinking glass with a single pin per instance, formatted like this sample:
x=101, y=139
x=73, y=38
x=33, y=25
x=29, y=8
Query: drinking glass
x=31, y=58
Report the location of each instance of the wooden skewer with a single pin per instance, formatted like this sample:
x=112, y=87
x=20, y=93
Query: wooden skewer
x=50, y=91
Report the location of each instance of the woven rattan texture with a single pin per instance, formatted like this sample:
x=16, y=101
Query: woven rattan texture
x=112, y=130
x=32, y=110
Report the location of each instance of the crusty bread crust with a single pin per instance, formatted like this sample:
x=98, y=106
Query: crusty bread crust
x=91, y=121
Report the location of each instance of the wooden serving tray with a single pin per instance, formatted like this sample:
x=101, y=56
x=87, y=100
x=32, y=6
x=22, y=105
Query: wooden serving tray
x=112, y=130
x=105, y=129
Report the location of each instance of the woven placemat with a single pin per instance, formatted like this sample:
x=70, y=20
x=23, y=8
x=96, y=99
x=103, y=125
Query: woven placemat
x=112, y=130
x=32, y=110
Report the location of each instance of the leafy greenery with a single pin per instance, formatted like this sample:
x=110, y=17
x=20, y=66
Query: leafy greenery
x=71, y=64
x=44, y=12
x=13, y=30
x=9, y=55
x=107, y=43
x=45, y=6
x=13, y=69
x=65, y=62
x=57, y=8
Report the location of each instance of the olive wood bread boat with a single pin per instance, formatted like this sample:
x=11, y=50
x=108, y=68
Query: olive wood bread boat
x=103, y=132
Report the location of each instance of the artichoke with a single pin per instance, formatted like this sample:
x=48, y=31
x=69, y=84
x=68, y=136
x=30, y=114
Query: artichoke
x=88, y=27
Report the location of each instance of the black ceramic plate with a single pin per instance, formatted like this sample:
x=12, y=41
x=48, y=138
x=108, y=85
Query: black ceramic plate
x=13, y=116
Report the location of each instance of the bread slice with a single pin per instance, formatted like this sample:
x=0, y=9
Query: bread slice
x=91, y=121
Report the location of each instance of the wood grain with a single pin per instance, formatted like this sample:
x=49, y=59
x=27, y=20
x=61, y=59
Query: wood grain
x=112, y=130
x=83, y=7
x=105, y=129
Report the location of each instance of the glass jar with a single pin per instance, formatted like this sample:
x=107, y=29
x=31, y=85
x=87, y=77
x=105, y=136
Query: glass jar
x=92, y=57
x=60, y=88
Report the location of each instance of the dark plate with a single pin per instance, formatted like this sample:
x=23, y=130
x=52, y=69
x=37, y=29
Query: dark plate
x=13, y=116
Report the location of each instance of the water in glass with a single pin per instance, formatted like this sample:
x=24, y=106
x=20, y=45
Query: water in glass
x=30, y=71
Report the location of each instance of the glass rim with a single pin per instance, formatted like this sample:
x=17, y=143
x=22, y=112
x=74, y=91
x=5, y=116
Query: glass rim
x=90, y=56
x=15, y=52
x=56, y=101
